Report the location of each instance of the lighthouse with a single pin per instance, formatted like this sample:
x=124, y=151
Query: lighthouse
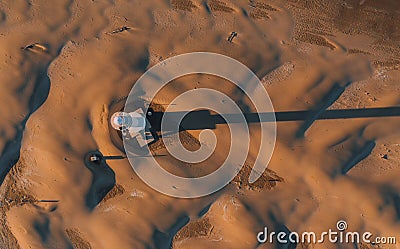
x=133, y=125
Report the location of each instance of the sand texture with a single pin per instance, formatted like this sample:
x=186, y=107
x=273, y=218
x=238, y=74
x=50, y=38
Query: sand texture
x=67, y=65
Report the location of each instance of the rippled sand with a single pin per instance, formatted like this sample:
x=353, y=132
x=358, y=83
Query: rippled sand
x=56, y=98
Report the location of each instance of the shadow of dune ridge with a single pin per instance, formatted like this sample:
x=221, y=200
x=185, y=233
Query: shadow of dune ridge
x=11, y=152
x=333, y=94
x=391, y=197
x=278, y=226
x=43, y=227
x=163, y=240
x=358, y=156
x=102, y=182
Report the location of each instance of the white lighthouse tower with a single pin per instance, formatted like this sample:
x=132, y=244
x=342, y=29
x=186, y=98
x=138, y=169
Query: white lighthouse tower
x=133, y=125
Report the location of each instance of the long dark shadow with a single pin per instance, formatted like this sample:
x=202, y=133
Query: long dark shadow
x=203, y=119
x=103, y=179
x=124, y=157
x=10, y=154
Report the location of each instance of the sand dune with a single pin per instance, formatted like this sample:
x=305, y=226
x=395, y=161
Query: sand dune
x=57, y=99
